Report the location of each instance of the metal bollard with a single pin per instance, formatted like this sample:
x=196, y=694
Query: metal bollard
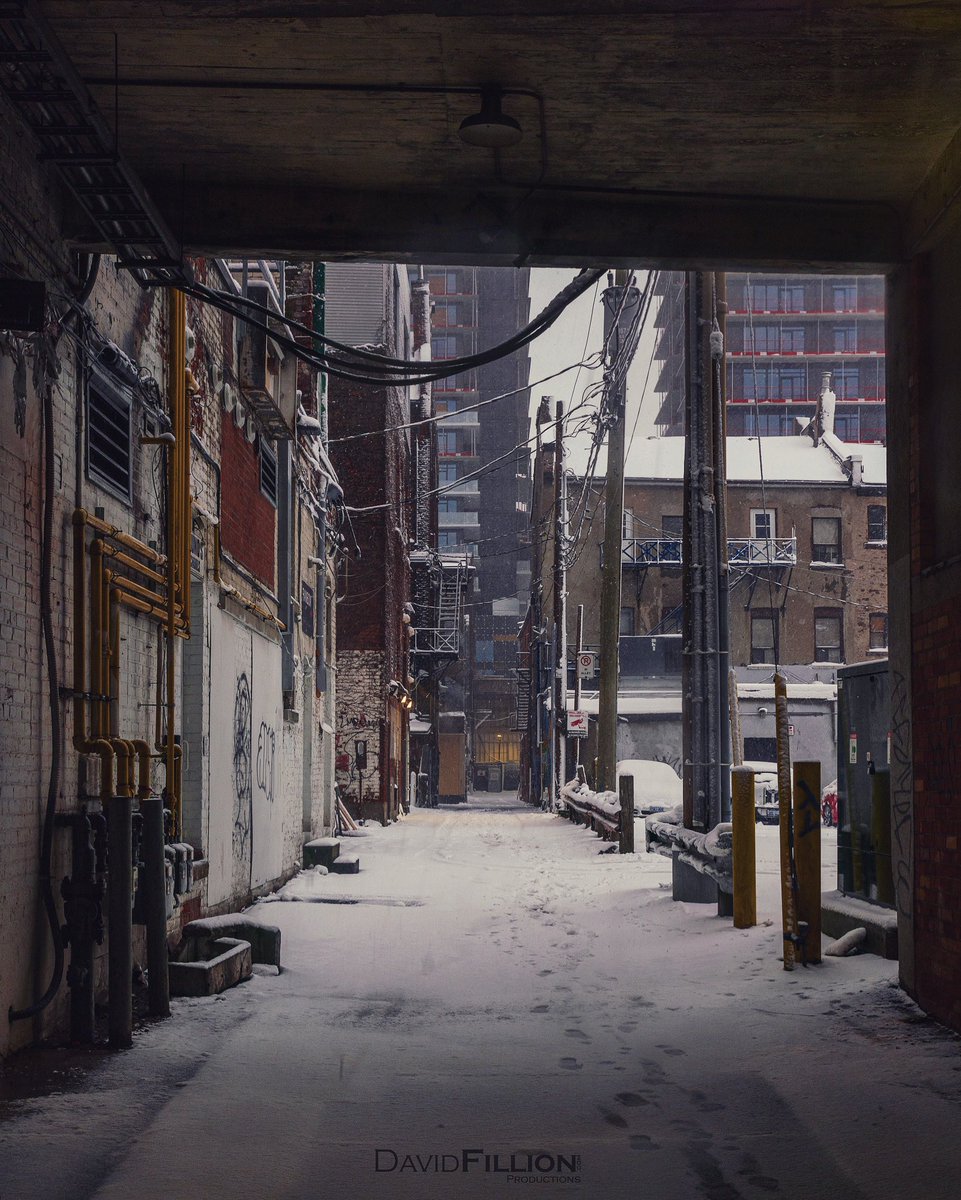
x=807, y=855
x=743, y=856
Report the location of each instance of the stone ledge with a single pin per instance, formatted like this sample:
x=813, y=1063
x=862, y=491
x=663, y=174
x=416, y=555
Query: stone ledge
x=231, y=964
x=841, y=913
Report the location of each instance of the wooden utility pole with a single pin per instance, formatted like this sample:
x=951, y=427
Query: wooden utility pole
x=578, y=647
x=560, y=603
x=620, y=303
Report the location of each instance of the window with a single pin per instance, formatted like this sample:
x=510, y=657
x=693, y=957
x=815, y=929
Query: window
x=845, y=297
x=443, y=347
x=765, y=297
x=268, y=470
x=878, y=631
x=448, y=506
x=877, y=523
x=448, y=472
x=626, y=626
x=307, y=609
x=762, y=338
x=826, y=539
x=484, y=651
x=846, y=383
x=828, y=643
x=447, y=538
x=845, y=338
x=109, y=416
x=760, y=749
x=764, y=635
x=762, y=523
x=792, y=338
x=627, y=521
x=792, y=383
x=792, y=298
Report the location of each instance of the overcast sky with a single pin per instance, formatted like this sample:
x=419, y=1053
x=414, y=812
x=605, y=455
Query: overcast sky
x=575, y=336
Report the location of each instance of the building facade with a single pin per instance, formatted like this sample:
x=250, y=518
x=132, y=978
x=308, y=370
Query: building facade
x=484, y=478
x=784, y=335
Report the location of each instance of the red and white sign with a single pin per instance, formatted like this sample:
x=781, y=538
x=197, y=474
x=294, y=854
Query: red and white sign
x=577, y=723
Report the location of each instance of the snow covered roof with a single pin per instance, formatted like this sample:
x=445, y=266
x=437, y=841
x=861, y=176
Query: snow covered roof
x=795, y=691
x=648, y=704
x=784, y=460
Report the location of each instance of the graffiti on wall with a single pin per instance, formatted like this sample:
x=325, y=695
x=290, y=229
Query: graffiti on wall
x=902, y=794
x=266, y=749
x=243, y=784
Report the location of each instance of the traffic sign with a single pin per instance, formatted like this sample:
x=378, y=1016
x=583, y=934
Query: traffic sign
x=577, y=723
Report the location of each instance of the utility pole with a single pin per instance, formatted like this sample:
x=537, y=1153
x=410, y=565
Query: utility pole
x=560, y=603
x=620, y=305
x=706, y=728
x=578, y=647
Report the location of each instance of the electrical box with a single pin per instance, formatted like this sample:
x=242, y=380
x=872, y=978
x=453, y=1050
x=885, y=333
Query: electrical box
x=864, y=809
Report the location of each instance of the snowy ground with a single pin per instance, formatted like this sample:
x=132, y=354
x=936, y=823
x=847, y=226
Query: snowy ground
x=499, y=985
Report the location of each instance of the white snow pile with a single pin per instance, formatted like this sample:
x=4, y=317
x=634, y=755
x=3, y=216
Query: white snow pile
x=304, y=886
x=709, y=853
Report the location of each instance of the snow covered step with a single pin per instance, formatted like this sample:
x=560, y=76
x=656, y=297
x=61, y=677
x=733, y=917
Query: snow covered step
x=321, y=852
x=346, y=864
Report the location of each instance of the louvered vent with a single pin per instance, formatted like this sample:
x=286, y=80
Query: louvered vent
x=109, y=460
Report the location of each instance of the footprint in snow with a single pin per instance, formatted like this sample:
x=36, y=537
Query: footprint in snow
x=577, y=1033
x=539, y=1008
x=570, y=1064
x=640, y=1141
x=630, y=1099
x=612, y=1118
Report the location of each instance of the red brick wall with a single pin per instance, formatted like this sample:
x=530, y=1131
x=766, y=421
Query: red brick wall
x=248, y=519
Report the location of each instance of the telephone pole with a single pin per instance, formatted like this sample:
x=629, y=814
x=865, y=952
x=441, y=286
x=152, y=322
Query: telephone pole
x=560, y=603
x=620, y=310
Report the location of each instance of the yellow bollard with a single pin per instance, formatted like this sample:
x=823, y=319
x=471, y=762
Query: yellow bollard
x=807, y=854
x=743, y=859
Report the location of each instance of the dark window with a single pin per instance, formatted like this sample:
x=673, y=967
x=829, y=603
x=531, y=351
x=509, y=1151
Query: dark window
x=672, y=527
x=448, y=472
x=626, y=628
x=448, y=537
x=826, y=539
x=760, y=749
x=307, y=610
x=792, y=297
x=764, y=635
x=268, y=470
x=765, y=297
x=878, y=631
x=845, y=297
x=877, y=523
x=792, y=338
x=845, y=338
x=109, y=416
x=828, y=635
x=792, y=383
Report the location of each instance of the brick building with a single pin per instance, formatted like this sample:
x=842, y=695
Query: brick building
x=369, y=305
x=808, y=585
x=154, y=444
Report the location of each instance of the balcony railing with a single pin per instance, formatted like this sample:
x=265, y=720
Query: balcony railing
x=457, y=520
x=666, y=552
x=470, y=487
x=436, y=641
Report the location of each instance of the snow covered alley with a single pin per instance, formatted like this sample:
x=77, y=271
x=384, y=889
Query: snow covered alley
x=490, y=982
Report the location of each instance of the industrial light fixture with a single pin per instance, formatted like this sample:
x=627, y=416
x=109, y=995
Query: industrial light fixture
x=490, y=128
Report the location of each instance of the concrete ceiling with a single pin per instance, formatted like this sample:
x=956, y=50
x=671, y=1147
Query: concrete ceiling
x=688, y=132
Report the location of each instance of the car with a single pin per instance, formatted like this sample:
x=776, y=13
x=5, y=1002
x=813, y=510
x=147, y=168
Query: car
x=657, y=787
x=766, y=810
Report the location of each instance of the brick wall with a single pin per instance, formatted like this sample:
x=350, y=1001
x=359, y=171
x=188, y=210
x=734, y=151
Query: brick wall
x=249, y=521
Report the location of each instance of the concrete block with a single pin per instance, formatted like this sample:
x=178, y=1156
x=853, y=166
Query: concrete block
x=321, y=852
x=692, y=885
x=346, y=864
x=840, y=914
x=198, y=937
x=230, y=965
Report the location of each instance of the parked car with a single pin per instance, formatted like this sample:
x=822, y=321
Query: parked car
x=829, y=804
x=766, y=809
x=657, y=787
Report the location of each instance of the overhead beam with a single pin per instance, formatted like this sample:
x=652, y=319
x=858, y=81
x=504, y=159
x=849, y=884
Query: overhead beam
x=560, y=227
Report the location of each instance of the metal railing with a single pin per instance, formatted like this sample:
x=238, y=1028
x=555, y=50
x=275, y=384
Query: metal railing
x=666, y=552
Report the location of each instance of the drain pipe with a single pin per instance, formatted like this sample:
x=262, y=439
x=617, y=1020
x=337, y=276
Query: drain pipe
x=120, y=917
x=155, y=900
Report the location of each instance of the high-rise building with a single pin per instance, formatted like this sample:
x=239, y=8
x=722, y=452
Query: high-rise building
x=481, y=509
x=787, y=336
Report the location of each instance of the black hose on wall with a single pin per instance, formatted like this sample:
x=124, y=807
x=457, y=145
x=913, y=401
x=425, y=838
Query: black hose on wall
x=56, y=721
